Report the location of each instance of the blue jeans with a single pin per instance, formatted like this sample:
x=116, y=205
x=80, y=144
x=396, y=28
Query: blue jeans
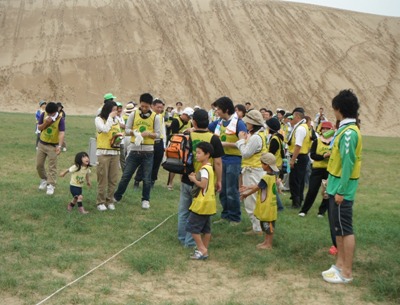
x=133, y=161
x=185, y=201
x=229, y=196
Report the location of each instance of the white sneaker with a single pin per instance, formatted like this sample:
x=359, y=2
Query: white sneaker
x=145, y=204
x=101, y=207
x=302, y=214
x=332, y=269
x=111, y=207
x=43, y=185
x=50, y=189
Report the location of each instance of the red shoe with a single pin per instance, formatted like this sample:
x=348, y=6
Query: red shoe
x=333, y=250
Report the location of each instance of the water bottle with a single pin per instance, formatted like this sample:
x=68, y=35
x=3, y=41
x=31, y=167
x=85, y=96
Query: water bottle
x=285, y=166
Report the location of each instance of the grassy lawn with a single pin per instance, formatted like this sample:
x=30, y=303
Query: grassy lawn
x=43, y=247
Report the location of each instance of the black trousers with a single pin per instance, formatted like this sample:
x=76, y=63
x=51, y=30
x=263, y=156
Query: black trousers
x=158, y=156
x=296, y=180
x=317, y=174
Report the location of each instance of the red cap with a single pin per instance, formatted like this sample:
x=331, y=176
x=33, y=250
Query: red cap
x=326, y=124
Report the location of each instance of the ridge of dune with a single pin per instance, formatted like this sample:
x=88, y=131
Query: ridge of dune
x=271, y=53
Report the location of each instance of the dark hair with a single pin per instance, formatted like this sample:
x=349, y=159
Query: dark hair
x=270, y=113
x=146, y=98
x=78, y=159
x=346, y=102
x=225, y=104
x=265, y=109
x=308, y=119
x=178, y=103
x=255, y=129
x=106, y=110
x=201, y=118
x=206, y=147
x=157, y=101
x=281, y=112
x=51, y=107
x=247, y=103
x=241, y=108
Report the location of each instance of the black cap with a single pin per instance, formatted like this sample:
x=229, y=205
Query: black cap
x=298, y=109
x=273, y=124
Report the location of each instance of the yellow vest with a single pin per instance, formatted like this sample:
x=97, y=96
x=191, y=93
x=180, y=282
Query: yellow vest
x=104, y=138
x=146, y=124
x=50, y=134
x=254, y=160
x=335, y=160
x=306, y=143
x=205, y=204
x=266, y=208
x=183, y=126
x=322, y=148
x=196, y=138
x=284, y=131
x=278, y=155
x=230, y=138
x=161, y=116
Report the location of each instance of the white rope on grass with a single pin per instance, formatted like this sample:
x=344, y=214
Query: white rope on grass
x=106, y=261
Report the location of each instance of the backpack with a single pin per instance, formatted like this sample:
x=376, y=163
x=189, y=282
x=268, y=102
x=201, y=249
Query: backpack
x=177, y=155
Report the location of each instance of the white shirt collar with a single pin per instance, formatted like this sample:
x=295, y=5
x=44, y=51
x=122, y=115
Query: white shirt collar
x=347, y=121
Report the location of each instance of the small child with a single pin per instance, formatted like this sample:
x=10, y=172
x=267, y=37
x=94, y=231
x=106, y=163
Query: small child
x=266, y=209
x=203, y=204
x=79, y=173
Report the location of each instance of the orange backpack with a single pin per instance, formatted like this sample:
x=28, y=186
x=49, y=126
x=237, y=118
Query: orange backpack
x=177, y=154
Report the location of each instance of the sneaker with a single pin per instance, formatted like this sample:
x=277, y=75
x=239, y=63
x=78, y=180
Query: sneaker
x=320, y=216
x=101, y=207
x=42, y=185
x=82, y=210
x=50, y=189
x=336, y=278
x=302, y=214
x=222, y=220
x=332, y=269
x=197, y=255
x=170, y=187
x=111, y=207
x=333, y=250
x=145, y=204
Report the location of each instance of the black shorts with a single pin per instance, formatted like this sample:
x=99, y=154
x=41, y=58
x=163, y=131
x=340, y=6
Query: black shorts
x=197, y=224
x=75, y=190
x=268, y=227
x=342, y=217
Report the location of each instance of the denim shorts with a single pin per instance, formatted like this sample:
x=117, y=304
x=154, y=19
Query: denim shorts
x=197, y=224
x=75, y=190
x=268, y=227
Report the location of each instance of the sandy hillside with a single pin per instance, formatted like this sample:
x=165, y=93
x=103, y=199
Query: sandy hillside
x=272, y=53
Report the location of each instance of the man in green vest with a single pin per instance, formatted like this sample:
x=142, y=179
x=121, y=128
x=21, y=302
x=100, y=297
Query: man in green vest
x=344, y=171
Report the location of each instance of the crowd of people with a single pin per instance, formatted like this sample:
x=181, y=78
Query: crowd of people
x=236, y=151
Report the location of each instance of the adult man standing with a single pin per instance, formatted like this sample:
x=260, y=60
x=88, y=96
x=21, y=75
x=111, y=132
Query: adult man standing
x=52, y=128
x=199, y=134
x=344, y=171
x=144, y=128
x=299, y=141
x=228, y=128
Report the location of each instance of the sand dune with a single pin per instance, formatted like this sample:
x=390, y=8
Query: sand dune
x=271, y=53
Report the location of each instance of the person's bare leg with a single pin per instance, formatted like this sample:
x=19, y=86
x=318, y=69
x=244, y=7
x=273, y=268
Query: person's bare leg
x=348, y=245
x=267, y=244
x=199, y=243
x=206, y=240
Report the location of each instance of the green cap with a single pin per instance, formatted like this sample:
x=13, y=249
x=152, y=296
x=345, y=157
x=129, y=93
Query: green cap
x=109, y=96
x=118, y=104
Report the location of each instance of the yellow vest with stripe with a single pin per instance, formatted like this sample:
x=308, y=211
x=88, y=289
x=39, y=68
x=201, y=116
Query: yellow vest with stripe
x=322, y=148
x=146, y=124
x=205, y=203
x=278, y=155
x=305, y=147
x=266, y=208
x=335, y=160
x=230, y=138
x=162, y=124
x=254, y=160
x=104, y=138
x=196, y=138
x=50, y=134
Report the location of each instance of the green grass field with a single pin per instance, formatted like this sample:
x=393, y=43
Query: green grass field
x=43, y=247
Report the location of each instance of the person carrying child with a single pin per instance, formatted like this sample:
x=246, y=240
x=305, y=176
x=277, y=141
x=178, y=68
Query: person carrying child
x=79, y=174
x=203, y=204
x=266, y=208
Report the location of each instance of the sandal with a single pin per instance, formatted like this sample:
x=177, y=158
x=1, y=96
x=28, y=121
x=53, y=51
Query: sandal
x=197, y=255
